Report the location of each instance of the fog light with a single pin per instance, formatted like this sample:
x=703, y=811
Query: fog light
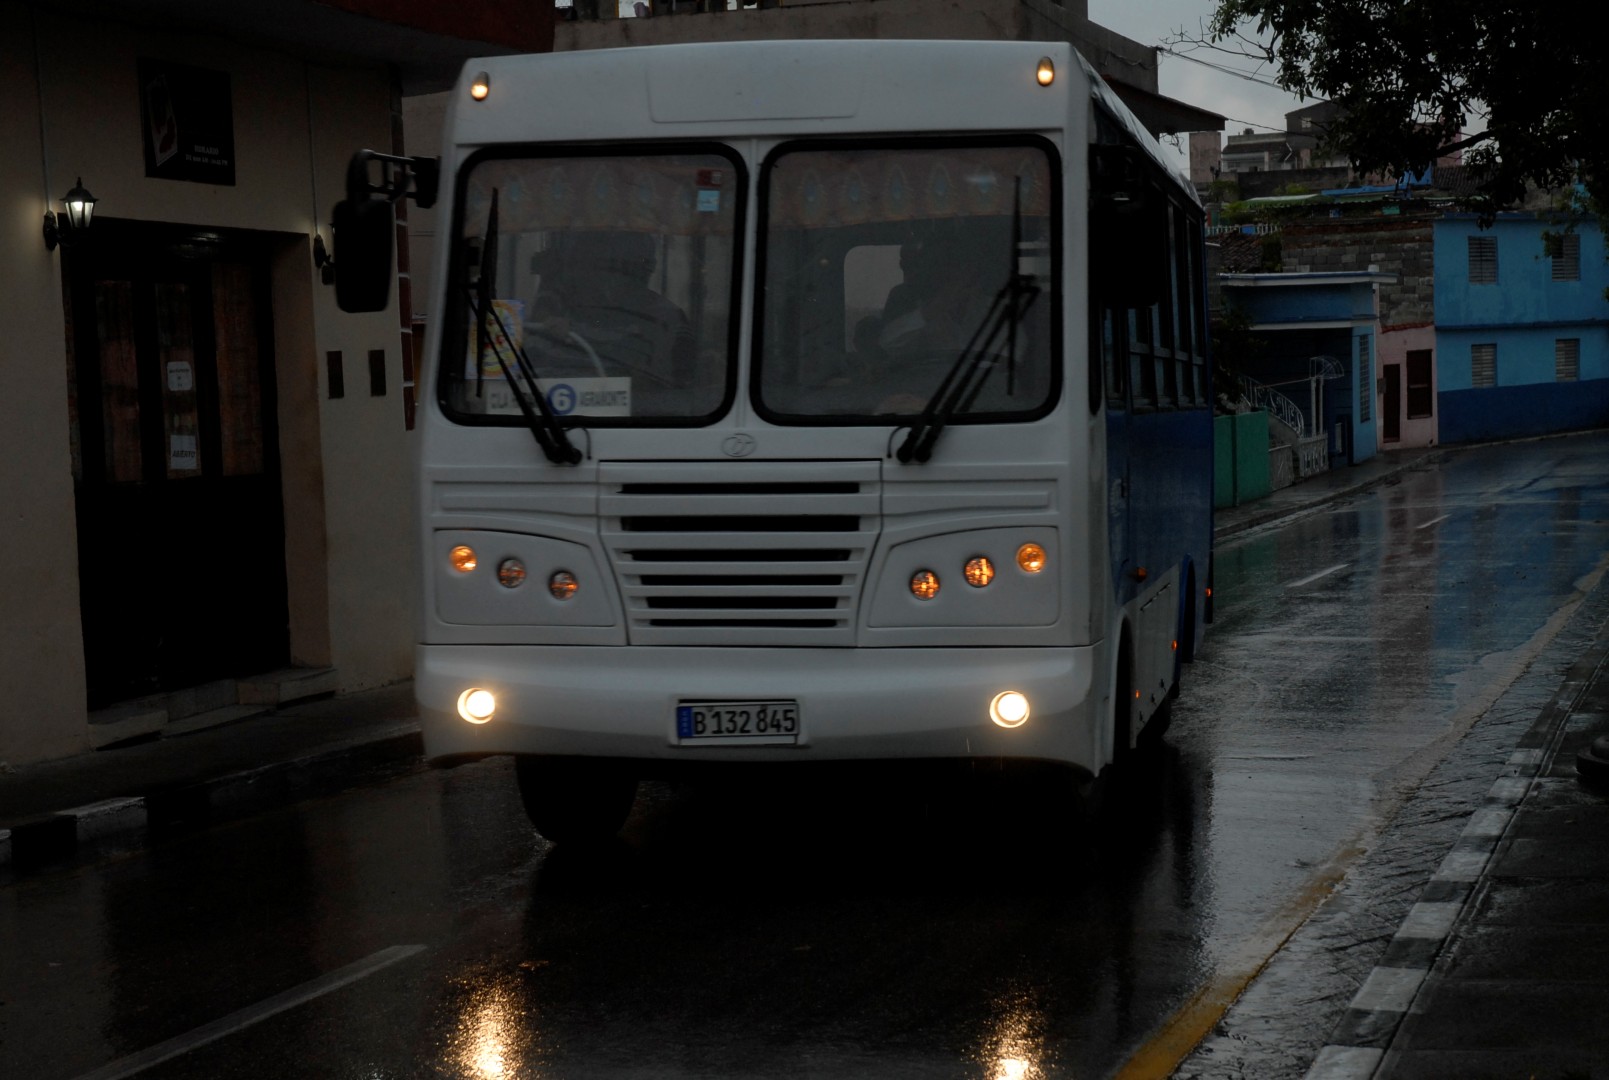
x=1009, y=709
x=463, y=559
x=979, y=571
x=925, y=585
x=511, y=573
x=1031, y=557
x=563, y=585
x=476, y=705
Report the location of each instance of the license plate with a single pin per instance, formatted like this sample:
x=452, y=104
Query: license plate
x=738, y=722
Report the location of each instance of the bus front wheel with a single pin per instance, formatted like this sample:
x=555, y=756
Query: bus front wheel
x=574, y=800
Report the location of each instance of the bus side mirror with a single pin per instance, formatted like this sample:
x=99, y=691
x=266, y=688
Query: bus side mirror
x=365, y=230
x=1128, y=228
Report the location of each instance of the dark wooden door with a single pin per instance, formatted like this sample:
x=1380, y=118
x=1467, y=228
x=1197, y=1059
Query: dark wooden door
x=181, y=536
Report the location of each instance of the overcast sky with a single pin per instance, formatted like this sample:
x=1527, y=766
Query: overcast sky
x=1243, y=102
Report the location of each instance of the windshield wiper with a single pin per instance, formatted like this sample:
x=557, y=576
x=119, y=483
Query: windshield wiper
x=966, y=376
x=545, y=427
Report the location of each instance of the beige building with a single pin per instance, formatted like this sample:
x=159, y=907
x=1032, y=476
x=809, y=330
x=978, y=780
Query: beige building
x=204, y=465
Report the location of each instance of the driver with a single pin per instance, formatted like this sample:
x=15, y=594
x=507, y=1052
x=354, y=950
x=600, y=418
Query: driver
x=939, y=301
x=610, y=304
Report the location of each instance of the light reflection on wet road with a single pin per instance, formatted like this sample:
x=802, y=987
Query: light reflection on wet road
x=795, y=928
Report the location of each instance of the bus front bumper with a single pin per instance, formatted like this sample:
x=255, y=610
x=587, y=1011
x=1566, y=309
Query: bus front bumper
x=851, y=704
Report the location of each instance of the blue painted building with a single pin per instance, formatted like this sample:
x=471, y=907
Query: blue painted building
x=1522, y=328
x=1321, y=332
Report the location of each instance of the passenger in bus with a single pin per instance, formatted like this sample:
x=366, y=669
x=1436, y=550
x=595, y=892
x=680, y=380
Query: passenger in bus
x=636, y=330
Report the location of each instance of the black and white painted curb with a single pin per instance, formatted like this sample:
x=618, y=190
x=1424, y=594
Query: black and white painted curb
x=44, y=838
x=1358, y=1045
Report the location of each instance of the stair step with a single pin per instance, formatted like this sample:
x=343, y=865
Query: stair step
x=124, y=722
x=213, y=718
x=286, y=685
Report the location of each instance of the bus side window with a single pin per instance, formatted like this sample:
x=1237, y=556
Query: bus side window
x=1195, y=283
x=1108, y=364
x=1142, y=358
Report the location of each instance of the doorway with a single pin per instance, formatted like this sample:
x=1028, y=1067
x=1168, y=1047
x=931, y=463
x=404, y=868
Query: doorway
x=1391, y=408
x=181, y=535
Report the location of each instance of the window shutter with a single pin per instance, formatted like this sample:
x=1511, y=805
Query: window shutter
x=1365, y=378
x=1565, y=252
x=1483, y=365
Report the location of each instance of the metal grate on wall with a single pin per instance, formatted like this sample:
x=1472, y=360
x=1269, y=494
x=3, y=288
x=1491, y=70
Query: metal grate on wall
x=1567, y=359
x=1482, y=366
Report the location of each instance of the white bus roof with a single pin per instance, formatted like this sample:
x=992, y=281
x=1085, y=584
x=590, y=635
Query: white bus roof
x=781, y=89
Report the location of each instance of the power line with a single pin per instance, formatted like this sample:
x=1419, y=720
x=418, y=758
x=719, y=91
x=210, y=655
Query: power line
x=1226, y=69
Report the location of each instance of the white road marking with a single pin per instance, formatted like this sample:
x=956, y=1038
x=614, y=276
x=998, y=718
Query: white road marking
x=1309, y=579
x=244, y=1018
x=1432, y=521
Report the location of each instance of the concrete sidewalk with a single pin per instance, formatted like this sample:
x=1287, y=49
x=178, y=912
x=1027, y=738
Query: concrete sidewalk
x=1502, y=967
x=47, y=808
x=1319, y=490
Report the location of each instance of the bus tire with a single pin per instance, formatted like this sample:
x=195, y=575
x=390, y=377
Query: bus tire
x=1123, y=704
x=574, y=801
x=1151, y=734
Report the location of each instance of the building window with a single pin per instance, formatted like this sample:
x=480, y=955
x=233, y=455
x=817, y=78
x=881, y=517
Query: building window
x=1483, y=260
x=1482, y=366
x=1421, y=400
x=1564, y=251
x=1365, y=379
x=1567, y=359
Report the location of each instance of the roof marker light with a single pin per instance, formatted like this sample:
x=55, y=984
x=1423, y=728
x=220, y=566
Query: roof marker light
x=1047, y=71
x=481, y=88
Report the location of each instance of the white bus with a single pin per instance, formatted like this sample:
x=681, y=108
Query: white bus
x=800, y=401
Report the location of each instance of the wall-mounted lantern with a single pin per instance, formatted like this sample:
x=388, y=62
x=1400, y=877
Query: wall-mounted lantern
x=80, y=204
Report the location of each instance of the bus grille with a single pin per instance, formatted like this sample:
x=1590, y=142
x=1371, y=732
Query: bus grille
x=750, y=553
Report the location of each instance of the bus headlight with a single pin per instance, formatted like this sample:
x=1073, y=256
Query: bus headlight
x=563, y=585
x=477, y=705
x=1009, y=709
x=1031, y=558
x=511, y=573
x=462, y=558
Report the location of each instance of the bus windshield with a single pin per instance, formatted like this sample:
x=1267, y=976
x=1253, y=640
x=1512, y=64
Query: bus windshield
x=886, y=267
x=613, y=273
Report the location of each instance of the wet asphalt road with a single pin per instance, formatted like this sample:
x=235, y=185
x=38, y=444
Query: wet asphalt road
x=839, y=926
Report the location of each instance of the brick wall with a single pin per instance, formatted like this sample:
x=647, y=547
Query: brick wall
x=1401, y=247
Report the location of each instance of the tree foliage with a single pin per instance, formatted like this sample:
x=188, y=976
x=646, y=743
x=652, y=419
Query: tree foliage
x=1521, y=88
